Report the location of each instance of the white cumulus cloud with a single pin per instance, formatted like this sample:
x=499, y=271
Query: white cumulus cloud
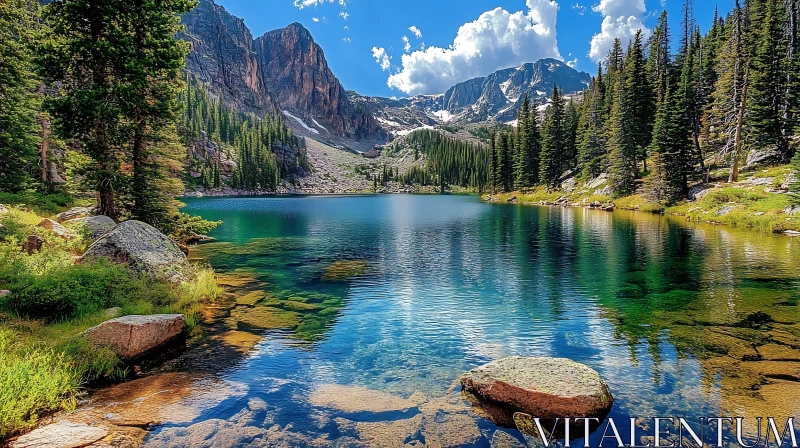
x=621, y=19
x=381, y=58
x=415, y=31
x=406, y=44
x=581, y=10
x=497, y=39
x=315, y=19
x=309, y=3
x=344, y=15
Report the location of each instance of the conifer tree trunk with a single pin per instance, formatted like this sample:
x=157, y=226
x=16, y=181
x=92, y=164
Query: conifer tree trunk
x=734, y=176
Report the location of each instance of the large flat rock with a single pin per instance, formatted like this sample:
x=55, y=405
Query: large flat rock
x=142, y=247
x=63, y=434
x=132, y=336
x=548, y=388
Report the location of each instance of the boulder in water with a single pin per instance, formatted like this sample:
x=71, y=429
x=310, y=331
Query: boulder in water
x=143, y=248
x=548, y=388
x=132, y=336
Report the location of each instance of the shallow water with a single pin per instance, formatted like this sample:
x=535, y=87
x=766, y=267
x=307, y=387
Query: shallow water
x=401, y=294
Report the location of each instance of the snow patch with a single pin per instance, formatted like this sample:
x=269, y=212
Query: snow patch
x=505, y=85
x=443, y=115
x=540, y=93
x=301, y=122
x=513, y=122
x=389, y=122
x=405, y=132
x=316, y=123
x=543, y=107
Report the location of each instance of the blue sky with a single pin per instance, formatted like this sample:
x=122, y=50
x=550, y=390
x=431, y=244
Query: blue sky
x=363, y=39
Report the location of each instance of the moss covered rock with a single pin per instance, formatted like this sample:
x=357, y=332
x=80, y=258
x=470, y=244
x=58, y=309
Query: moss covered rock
x=142, y=248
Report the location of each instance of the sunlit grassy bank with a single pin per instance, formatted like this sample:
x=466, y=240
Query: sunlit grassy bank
x=45, y=364
x=756, y=201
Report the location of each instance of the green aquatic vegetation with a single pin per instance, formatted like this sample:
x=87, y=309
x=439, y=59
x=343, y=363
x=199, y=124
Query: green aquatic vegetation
x=299, y=306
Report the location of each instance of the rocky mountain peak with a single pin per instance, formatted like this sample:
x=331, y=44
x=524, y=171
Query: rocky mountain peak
x=283, y=70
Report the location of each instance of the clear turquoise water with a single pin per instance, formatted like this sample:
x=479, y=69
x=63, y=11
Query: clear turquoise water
x=453, y=283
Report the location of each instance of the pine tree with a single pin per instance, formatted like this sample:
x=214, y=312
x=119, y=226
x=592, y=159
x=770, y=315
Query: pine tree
x=637, y=101
x=667, y=182
x=524, y=168
x=18, y=104
x=592, y=140
x=533, y=143
x=727, y=111
x=621, y=153
x=571, y=119
x=658, y=63
x=494, y=169
x=86, y=52
x=149, y=100
x=506, y=164
x=553, y=141
x=765, y=114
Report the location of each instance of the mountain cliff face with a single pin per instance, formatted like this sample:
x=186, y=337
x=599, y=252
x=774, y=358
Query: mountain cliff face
x=283, y=70
x=499, y=95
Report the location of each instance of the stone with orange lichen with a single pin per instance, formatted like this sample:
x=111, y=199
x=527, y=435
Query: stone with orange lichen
x=545, y=387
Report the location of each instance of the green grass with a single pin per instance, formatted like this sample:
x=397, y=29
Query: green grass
x=43, y=204
x=753, y=208
x=34, y=380
x=45, y=363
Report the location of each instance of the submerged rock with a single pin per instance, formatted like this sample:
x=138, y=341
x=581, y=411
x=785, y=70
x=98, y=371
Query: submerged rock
x=344, y=270
x=143, y=248
x=63, y=434
x=355, y=399
x=169, y=398
x=74, y=213
x=542, y=387
x=97, y=225
x=132, y=336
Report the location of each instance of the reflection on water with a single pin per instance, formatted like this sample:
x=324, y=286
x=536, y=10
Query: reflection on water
x=400, y=294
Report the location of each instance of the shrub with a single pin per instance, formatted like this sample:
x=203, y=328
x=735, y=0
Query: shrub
x=34, y=380
x=43, y=204
x=81, y=289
